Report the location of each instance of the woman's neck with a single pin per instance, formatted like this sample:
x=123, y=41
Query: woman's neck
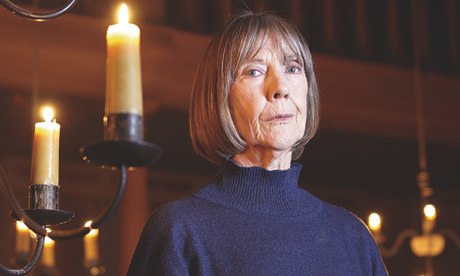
x=269, y=160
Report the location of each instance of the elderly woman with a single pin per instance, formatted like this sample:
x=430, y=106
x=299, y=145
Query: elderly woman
x=254, y=107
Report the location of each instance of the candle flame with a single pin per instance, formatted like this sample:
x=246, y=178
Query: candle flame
x=21, y=226
x=93, y=233
x=49, y=242
x=375, y=222
x=430, y=211
x=47, y=113
x=123, y=16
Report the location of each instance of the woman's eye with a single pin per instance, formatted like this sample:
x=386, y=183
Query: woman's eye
x=253, y=72
x=294, y=69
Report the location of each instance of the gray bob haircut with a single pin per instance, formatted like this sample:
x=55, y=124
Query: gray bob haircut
x=212, y=129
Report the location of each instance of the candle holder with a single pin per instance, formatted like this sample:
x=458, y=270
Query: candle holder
x=44, y=205
x=123, y=126
x=123, y=143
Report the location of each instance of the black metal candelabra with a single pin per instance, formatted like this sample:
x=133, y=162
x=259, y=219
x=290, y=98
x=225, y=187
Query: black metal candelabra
x=123, y=147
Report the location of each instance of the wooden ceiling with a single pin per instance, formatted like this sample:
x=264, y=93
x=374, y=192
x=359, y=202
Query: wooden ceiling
x=362, y=57
x=380, y=31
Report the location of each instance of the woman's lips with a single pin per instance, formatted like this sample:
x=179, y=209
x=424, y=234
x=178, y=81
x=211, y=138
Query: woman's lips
x=280, y=118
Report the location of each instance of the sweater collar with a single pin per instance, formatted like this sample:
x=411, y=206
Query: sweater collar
x=254, y=189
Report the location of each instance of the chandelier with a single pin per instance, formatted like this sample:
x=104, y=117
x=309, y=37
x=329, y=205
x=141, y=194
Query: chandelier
x=429, y=242
x=123, y=145
x=37, y=16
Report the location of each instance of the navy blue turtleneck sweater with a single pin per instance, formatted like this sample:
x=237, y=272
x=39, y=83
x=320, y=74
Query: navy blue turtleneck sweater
x=250, y=221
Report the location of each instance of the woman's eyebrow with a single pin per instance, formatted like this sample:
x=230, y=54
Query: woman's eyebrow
x=292, y=57
x=254, y=60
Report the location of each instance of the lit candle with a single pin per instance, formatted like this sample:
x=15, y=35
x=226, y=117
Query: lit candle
x=375, y=223
x=91, y=247
x=123, y=79
x=429, y=222
x=47, y=258
x=45, y=153
x=22, y=238
x=430, y=212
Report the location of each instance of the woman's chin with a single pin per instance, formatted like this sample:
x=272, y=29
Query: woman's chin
x=283, y=142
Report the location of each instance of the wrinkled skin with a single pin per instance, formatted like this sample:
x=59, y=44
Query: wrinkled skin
x=268, y=101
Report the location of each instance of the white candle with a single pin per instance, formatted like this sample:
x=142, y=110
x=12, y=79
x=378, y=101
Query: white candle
x=47, y=258
x=45, y=152
x=123, y=76
x=22, y=238
x=91, y=248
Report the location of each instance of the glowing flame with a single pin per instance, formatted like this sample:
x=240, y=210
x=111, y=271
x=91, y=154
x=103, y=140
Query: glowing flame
x=123, y=17
x=430, y=211
x=375, y=222
x=21, y=226
x=47, y=113
x=93, y=232
x=49, y=242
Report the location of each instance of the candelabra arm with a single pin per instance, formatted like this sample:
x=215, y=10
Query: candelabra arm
x=110, y=210
x=28, y=267
x=37, y=16
x=64, y=234
x=16, y=207
x=393, y=250
x=452, y=235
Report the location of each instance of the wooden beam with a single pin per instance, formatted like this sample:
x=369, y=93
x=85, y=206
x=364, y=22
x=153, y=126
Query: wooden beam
x=368, y=98
x=377, y=99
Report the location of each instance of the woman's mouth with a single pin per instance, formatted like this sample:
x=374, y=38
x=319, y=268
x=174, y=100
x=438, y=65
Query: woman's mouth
x=281, y=118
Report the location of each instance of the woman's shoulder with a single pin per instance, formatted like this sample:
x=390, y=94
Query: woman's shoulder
x=174, y=210
x=178, y=213
x=167, y=219
x=352, y=229
x=343, y=217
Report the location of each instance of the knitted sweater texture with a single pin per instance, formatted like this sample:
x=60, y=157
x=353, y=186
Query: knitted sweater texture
x=250, y=221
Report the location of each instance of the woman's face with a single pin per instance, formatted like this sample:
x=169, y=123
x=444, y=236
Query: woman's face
x=268, y=100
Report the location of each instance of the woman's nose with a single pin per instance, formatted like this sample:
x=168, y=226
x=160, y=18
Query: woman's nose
x=278, y=87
